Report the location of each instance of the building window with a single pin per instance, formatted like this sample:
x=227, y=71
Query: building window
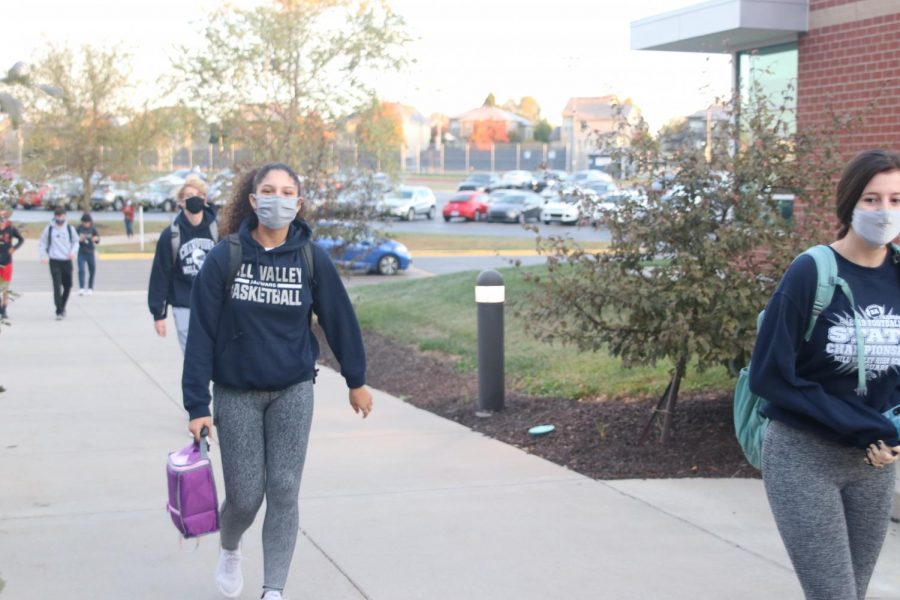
x=774, y=70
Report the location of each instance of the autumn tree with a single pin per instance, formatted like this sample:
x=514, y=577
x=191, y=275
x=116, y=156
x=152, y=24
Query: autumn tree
x=279, y=75
x=379, y=133
x=82, y=130
x=542, y=131
x=485, y=133
x=490, y=101
x=697, y=252
x=527, y=108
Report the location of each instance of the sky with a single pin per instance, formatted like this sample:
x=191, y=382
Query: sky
x=463, y=50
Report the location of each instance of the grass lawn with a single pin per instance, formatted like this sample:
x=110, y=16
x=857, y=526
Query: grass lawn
x=416, y=242
x=32, y=231
x=429, y=242
x=438, y=314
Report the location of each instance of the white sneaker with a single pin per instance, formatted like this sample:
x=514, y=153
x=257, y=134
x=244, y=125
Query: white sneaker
x=228, y=573
x=89, y=291
x=273, y=595
x=81, y=292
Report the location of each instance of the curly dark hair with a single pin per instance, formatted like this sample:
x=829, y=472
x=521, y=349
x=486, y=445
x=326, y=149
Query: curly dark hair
x=239, y=208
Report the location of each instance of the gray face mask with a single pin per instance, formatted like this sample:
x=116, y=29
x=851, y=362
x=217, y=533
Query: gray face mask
x=876, y=227
x=275, y=212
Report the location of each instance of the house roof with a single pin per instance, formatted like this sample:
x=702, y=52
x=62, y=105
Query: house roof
x=491, y=113
x=592, y=108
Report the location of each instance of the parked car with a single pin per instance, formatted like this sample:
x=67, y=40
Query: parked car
x=470, y=206
x=65, y=191
x=570, y=206
x=372, y=254
x=497, y=194
x=523, y=180
x=549, y=179
x=610, y=205
x=157, y=195
x=110, y=195
x=584, y=177
x=480, y=182
x=602, y=188
x=220, y=187
x=409, y=201
x=31, y=194
x=516, y=208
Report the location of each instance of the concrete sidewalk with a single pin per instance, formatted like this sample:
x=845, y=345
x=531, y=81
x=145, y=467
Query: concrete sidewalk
x=402, y=505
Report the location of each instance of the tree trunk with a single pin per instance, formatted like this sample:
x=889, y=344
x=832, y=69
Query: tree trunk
x=88, y=190
x=669, y=410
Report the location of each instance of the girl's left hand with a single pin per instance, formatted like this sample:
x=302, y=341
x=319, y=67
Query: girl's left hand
x=361, y=400
x=880, y=454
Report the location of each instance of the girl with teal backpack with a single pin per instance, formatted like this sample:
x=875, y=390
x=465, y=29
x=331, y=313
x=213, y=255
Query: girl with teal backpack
x=827, y=363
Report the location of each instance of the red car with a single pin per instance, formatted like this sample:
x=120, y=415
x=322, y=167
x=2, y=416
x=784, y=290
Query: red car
x=33, y=196
x=471, y=206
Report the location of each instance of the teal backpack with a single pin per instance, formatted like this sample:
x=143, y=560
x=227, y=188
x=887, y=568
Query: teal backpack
x=749, y=423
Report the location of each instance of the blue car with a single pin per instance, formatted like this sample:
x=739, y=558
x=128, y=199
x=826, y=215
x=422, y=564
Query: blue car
x=371, y=254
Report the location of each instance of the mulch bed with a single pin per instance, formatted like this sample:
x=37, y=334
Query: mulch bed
x=596, y=438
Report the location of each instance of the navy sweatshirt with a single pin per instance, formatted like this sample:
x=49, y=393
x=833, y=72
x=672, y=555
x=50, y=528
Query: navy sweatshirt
x=812, y=385
x=7, y=235
x=171, y=280
x=259, y=338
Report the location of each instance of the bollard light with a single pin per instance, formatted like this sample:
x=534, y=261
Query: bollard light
x=490, y=294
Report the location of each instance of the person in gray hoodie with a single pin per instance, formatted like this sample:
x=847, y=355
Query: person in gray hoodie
x=59, y=247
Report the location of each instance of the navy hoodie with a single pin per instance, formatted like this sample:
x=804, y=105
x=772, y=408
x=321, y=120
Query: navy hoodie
x=259, y=338
x=171, y=281
x=812, y=385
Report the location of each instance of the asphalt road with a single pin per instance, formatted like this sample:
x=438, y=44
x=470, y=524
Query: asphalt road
x=420, y=225
x=131, y=275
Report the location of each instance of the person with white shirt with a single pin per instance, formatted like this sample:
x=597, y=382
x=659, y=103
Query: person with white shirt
x=58, y=248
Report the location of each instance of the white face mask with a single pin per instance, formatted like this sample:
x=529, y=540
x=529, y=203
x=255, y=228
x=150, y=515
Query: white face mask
x=275, y=212
x=876, y=227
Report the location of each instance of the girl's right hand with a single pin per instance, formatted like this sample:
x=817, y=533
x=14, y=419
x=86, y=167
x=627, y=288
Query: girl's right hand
x=160, y=327
x=881, y=455
x=195, y=426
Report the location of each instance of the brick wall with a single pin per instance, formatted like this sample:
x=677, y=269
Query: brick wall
x=849, y=64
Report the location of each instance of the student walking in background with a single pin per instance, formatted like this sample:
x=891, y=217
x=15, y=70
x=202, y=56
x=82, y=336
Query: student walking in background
x=250, y=334
x=128, y=213
x=8, y=234
x=58, y=246
x=828, y=454
x=180, y=252
x=88, y=238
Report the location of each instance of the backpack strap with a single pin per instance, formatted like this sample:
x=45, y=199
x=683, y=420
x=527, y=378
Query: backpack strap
x=309, y=264
x=235, y=257
x=69, y=230
x=826, y=269
x=828, y=279
x=175, y=230
x=306, y=253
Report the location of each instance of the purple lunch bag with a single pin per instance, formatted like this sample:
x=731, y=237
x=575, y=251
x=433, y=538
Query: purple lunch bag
x=193, y=503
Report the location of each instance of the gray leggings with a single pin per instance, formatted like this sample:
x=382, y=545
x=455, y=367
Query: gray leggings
x=831, y=508
x=263, y=438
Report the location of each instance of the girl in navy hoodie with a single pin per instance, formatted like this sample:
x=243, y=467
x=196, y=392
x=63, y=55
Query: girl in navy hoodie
x=176, y=264
x=250, y=334
x=828, y=443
